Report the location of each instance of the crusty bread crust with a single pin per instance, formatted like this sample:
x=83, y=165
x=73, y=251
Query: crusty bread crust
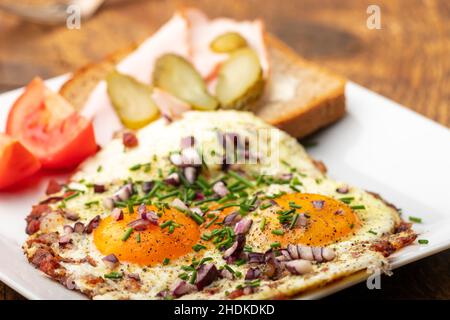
x=303, y=115
x=77, y=89
x=299, y=117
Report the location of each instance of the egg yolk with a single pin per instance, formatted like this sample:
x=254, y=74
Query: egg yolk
x=151, y=246
x=325, y=220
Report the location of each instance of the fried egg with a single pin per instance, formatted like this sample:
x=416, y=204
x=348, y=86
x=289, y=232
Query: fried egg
x=174, y=218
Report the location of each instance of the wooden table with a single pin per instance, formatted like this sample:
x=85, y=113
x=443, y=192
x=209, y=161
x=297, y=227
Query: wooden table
x=406, y=60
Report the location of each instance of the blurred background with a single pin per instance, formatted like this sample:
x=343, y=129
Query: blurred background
x=406, y=60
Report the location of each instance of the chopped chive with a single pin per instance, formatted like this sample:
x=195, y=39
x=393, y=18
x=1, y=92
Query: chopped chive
x=294, y=205
x=228, y=206
x=138, y=238
x=113, y=275
x=229, y=268
x=211, y=222
x=294, y=188
x=198, y=219
x=168, y=195
x=262, y=225
x=239, y=262
x=294, y=221
x=135, y=167
x=91, y=203
x=72, y=196
x=415, y=219
x=278, y=232
x=166, y=261
x=204, y=260
x=183, y=276
x=187, y=268
x=372, y=232
x=359, y=207
x=210, y=199
x=265, y=205
x=99, y=168
x=240, y=178
x=127, y=234
x=275, y=245
x=422, y=241
x=171, y=228
x=193, y=277
x=130, y=208
x=198, y=247
x=347, y=200
x=166, y=224
x=206, y=237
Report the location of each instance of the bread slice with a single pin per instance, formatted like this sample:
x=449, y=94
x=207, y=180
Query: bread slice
x=300, y=97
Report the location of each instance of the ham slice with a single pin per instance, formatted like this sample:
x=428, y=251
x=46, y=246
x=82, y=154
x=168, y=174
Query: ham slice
x=202, y=31
x=169, y=106
x=139, y=64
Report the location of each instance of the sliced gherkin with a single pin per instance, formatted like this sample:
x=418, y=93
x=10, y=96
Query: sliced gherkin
x=240, y=81
x=228, y=42
x=177, y=76
x=132, y=100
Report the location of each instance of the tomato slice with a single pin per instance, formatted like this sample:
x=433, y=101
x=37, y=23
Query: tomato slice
x=16, y=162
x=49, y=127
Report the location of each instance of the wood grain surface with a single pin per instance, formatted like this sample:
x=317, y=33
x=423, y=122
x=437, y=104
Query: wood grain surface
x=406, y=60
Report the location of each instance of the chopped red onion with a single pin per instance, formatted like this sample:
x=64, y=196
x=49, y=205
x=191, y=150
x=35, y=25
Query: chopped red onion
x=65, y=239
x=187, y=142
x=256, y=257
x=190, y=173
x=99, y=188
x=293, y=252
x=198, y=211
x=70, y=284
x=173, y=179
x=305, y=252
x=71, y=215
x=243, y=226
x=220, y=188
x=139, y=224
x=318, y=204
x=206, y=274
x=225, y=273
x=68, y=229
x=92, y=225
x=286, y=176
x=124, y=193
x=117, y=214
x=78, y=228
x=147, y=186
x=299, y=266
x=232, y=218
x=108, y=203
x=177, y=203
x=176, y=159
x=236, y=249
x=252, y=273
x=191, y=157
x=134, y=276
x=343, y=189
x=317, y=253
x=328, y=254
x=111, y=261
x=181, y=287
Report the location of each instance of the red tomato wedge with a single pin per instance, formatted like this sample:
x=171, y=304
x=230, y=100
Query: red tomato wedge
x=49, y=127
x=16, y=162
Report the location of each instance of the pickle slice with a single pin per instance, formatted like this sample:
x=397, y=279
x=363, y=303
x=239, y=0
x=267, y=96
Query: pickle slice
x=132, y=100
x=240, y=81
x=228, y=42
x=177, y=76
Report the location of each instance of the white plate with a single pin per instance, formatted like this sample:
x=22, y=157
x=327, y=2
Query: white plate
x=379, y=146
